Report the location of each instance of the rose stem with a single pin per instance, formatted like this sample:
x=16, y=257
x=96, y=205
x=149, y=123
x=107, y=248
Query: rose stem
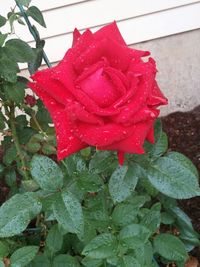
x=32, y=31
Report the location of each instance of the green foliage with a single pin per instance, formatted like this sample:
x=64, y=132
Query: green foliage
x=170, y=247
x=19, y=50
x=23, y=256
x=173, y=176
x=46, y=173
x=36, y=14
x=123, y=181
x=17, y=212
x=2, y=21
x=85, y=210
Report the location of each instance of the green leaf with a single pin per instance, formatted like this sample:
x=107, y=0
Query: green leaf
x=4, y=249
x=37, y=61
x=128, y=261
x=170, y=247
x=101, y=247
x=36, y=14
x=123, y=181
x=46, y=173
x=19, y=50
x=14, y=92
x=65, y=261
x=101, y=161
x=2, y=121
x=186, y=162
x=172, y=176
x=10, y=155
x=23, y=256
x=2, y=21
x=17, y=212
x=151, y=220
x=134, y=235
x=54, y=239
x=23, y=2
x=68, y=212
x=89, y=262
x=40, y=260
x=2, y=263
x=124, y=214
x=184, y=224
x=166, y=218
x=160, y=147
x=144, y=254
x=89, y=182
x=33, y=147
x=74, y=165
x=2, y=38
x=8, y=68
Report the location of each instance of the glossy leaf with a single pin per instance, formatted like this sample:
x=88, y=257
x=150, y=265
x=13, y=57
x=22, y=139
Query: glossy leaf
x=17, y=212
x=124, y=214
x=172, y=176
x=23, y=256
x=101, y=247
x=23, y=2
x=89, y=262
x=128, y=261
x=68, y=212
x=65, y=261
x=36, y=14
x=123, y=181
x=19, y=50
x=2, y=21
x=46, y=173
x=170, y=247
x=54, y=239
x=14, y=92
x=134, y=235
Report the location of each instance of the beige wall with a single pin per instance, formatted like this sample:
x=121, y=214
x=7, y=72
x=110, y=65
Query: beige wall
x=178, y=62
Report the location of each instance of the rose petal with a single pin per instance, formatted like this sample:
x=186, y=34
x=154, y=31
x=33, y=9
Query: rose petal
x=77, y=112
x=66, y=142
x=119, y=56
x=46, y=80
x=121, y=158
x=137, y=102
x=150, y=136
x=144, y=114
x=117, y=78
x=156, y=98
x=101, y=135
x=100, y=88
x=110, y=31
x=92, y=107
x=76, y=36
x=133, y=143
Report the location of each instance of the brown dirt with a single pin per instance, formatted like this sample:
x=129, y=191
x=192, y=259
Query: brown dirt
x=183, y=130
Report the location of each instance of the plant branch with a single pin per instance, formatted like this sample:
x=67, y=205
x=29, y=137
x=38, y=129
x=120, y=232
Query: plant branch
x=16, y=141
x=33, y=32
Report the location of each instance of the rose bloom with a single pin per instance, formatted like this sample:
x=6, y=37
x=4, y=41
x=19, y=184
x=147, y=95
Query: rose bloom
x=101, y=94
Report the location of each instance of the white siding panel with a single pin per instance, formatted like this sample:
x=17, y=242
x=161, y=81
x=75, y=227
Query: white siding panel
x=93, y=13
x=138, y=29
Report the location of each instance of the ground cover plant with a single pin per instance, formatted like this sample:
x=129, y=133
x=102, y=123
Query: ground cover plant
x=93, y=207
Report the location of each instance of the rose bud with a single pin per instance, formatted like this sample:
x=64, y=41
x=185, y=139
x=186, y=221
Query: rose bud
x=101, y=94
x=30, y=100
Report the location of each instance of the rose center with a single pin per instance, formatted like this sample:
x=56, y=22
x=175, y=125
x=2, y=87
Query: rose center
x=100, y=88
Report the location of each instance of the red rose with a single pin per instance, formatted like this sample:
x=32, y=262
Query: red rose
x=101, y=94
x=30, y=100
